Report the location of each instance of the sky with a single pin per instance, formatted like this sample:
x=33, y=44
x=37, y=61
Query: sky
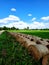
x=24, y=13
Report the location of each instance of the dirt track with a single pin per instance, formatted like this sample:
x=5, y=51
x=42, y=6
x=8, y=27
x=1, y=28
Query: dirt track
x=1, y=32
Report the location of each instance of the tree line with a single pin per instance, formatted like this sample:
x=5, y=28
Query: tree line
x=13, y=28
x=8, y=28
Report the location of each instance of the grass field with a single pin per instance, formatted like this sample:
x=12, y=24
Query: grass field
x=12, y=53
x=40, y=33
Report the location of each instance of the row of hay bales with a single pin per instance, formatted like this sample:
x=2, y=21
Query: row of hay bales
x=37, y=47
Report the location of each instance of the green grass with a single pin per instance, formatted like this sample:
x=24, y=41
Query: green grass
x=12, y=53
x=40, y=33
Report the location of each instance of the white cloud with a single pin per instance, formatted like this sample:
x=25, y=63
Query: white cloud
x=15, y=21
x=47, y=25
x=36, y=25
x=13, y=9
x=10, y=18
x=29, y=14
x=45, y=18
x=11, y=21
x=20, y=25
x=33, y=19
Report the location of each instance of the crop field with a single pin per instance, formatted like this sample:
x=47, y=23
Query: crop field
x=12, y=53
x=40, y=33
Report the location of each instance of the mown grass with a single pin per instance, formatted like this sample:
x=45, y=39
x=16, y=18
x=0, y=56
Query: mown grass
x=40, y=33
x=12, y=53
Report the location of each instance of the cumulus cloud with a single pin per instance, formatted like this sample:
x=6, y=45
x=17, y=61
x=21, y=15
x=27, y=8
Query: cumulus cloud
x=29, y=14
x=13, y=9
x=46, y=25
x=10, y=18
x=15, y=21
x=20, y=25
x=33, y=19
x=36, y=25
x=11, y=21
x=45, y=18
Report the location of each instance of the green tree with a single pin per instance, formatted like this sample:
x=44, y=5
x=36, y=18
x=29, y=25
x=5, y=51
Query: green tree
x=13, y=28
x=5, y=28
x=27, y=28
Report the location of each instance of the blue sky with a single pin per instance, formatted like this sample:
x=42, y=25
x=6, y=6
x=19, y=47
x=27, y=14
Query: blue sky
x=23, y=13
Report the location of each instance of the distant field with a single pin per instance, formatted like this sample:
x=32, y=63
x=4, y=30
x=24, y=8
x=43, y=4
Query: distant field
x=40, y=33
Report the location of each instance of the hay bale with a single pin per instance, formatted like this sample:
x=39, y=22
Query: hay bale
x=24, y=44
x=25, y=35
x=34, y=52
x=29, y=36
x=47, y=40
x=42, y=49
x=28, y=42
x=24, y=41
x=31, y=39
x=17, y=37
x=45, y=60
x=38, y=51
x=38, y=42
x=36, y=38
x=47, y=46
x=42, y=42
x=13, y=34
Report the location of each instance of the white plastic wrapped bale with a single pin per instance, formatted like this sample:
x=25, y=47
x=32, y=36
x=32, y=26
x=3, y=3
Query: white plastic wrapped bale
x=38, y=51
